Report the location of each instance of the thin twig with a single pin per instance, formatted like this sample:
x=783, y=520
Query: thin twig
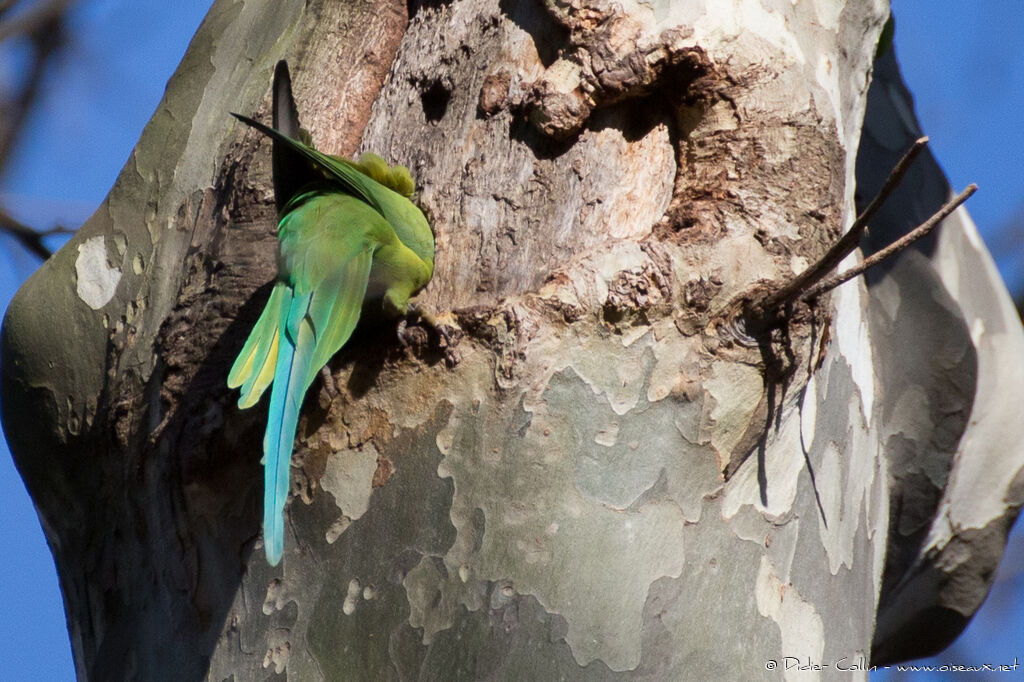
x=849, y=241
x=38, y=17
x=46, y=41
x=903, y=242
x=43, y=26
x=31, y=239
x=4, y=6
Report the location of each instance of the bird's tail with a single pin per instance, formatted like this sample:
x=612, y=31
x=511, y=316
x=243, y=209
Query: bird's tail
x=294, y=356
x=255, y=366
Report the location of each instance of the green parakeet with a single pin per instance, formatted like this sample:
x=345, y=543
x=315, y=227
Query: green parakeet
x=348, y=236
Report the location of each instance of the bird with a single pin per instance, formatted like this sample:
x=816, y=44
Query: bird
x=348, y=236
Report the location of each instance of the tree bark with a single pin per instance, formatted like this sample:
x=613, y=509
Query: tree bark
x=614, y=482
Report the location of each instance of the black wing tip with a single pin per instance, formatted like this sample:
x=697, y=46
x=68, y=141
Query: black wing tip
x=286, y=114
x=281, y=70
x=283, y=104
x=253, y=123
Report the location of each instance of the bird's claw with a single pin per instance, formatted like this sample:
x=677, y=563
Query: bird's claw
x=402, y=332
x=328, y=382
x=448, y=334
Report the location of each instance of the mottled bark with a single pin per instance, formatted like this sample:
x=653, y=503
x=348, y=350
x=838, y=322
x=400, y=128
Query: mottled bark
x=614, y=482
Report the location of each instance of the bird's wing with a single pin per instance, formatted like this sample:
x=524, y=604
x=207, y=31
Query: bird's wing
x=291, y=170
x=344, y=172
x=383, y=187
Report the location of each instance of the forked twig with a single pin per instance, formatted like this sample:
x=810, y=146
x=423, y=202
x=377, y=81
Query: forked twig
x=31, y=239
x=816, y=280
x=849, y=241
x=903, y=242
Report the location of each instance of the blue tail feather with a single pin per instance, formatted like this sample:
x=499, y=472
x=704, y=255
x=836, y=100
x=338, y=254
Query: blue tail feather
x=293, y=356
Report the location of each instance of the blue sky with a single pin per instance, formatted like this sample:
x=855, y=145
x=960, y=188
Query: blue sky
x=82, y=132
x=962, y=61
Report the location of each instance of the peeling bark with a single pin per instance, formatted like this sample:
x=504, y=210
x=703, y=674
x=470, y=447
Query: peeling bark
x=948, y=424
x=614, y=482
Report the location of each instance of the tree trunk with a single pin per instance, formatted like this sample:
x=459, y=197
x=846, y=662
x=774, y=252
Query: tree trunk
x=614, y=482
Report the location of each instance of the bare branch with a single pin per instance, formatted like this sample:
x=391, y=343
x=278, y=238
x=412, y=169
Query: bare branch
x=849, y=241
x=31, y=239
x=30, y=22
x=5, y=5
x=42, y=25
x=903, y=242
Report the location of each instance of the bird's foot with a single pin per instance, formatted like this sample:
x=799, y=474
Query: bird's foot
x=328, y=383
x=405, y=337
x=447, y=330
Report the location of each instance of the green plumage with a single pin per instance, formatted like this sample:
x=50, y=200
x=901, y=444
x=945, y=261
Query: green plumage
x=348, y=234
